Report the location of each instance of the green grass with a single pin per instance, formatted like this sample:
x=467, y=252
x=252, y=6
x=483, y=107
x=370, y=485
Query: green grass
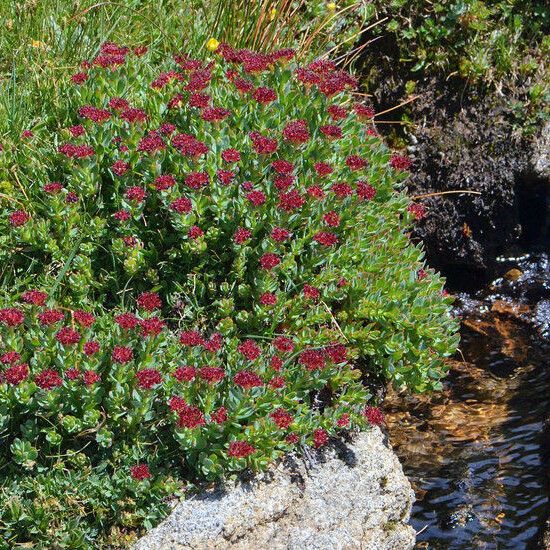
x=42, y=42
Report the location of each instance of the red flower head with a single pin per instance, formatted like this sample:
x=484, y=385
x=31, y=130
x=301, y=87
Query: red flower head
x=140, y=472
x=311, y=292
x=94, y=114
x=292, y=439
x=280, y=235
x=342, y=190
x=190, y=417
x=323, y=169
x=91, y=348
x=336, y=112
x=19, y=218
x=268, y=299
x=72, y=374
x=331, y=131
x=291, y=201
x=313, y=359
x=10, y=358
x=16, y=374
x=149, y=301
x=337, y=352
x=374, y=416
x=417, y=210
x=355, y=162
x=136, y=194
x=189, y=146
x=283, y=344
x=122, y=215
x=215, y=343
x=231, y=155
x=11, y=317
x=68, y=336
x=126, y=321
x=400, y=162
x=122, y=354
x=197, y=180
x=257, y=198
x=185, y=374
x=215, y=114
x=118, y=103
x=119, y=168
x=247, y=379
x=176, y=403
x=277, y=382
x=191, y=338
x=240, y=449
x=164, y=182
x=48, y=379
x=264, y=95
x=90, y=377
x=152, y=326
x=250, y=349
x=195, y=232
x=167, y=128
x=282, y=418
x=296, y=132
x=332, y=218
x=211, y=374
x=79, y=78
x=225, y=176
x=52, y=188
x=276, y=363
x=282, y=166
x=140, y=50
x=269, y=261
x=83, y=318
x=199, y=101
x=316, y=192
x=219, y=416
x=147, y=378
x=77, y=131
x=363, y=112
x=35, y=297
x=343, y=421
x=181, y=205
x=50, y=317
x=263, y=145
x=132, y=115
x=365, y=191
x=241, y=235
x=320, y=437
x=283, y=182
x=326, y=239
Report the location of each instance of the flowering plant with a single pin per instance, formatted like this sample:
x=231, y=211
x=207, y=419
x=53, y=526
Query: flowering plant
x=204, y=270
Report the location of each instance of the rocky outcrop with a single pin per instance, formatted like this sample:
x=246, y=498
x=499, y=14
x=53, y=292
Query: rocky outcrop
x=349, y=496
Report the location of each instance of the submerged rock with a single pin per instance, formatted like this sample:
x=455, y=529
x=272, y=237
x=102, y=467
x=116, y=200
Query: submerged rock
x=348, y=496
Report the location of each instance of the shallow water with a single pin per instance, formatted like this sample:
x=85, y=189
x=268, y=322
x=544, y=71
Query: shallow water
x=475, y=452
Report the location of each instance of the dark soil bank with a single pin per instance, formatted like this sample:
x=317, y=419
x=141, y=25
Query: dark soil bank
x=464, y=138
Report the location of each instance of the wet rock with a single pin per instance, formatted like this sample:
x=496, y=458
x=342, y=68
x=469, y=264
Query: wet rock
x=350, y=497
x=541, y=154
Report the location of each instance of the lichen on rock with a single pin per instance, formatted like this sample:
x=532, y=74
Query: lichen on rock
x=352, y=495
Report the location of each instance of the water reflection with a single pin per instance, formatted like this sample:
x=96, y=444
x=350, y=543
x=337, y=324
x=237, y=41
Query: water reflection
x=474, y=452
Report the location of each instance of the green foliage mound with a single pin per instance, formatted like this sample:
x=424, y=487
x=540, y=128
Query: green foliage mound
x=199, y=275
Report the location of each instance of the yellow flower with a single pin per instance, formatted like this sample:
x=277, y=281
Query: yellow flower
x=212, y=45
x=272, y=14
x=38, y=44
x=331, y=6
